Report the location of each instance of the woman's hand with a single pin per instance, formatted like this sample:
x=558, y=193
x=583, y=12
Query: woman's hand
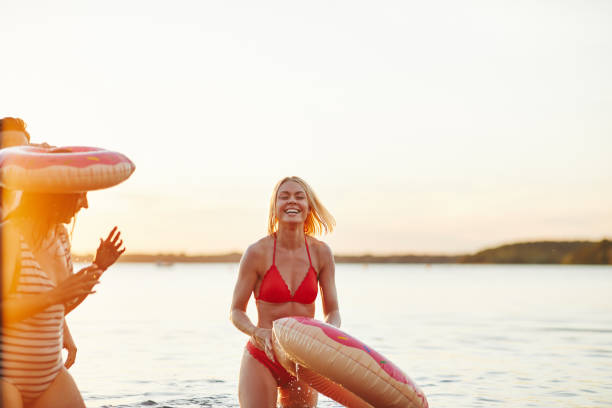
x=76, y=286
x=109, y=250
x=333, y=318
x=263, y=338
x=69, y=346
x=89, y=277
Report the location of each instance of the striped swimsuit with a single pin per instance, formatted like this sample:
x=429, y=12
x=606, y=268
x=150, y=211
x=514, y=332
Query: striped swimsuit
x=32, y=348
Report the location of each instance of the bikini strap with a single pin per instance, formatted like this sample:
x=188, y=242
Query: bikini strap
x=274, y=252
x=307, y=251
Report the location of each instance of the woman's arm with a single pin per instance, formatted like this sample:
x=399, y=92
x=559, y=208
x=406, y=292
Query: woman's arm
x=245, y=284
x=327, y=281
x=106, y=255
x=16, y=309
x=94, y=273
x=247, y=278
x=69, y=345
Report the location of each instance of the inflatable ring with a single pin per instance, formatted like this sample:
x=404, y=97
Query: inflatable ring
x=72, y=169
x=341, y=367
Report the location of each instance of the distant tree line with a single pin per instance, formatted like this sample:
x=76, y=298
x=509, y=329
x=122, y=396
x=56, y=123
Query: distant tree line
x=546, y=252
x=541, y=252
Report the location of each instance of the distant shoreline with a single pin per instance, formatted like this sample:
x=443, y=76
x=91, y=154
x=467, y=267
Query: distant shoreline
x=235, y=257
x=539, y=252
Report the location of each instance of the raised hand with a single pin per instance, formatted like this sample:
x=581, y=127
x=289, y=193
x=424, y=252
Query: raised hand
x=109, y=250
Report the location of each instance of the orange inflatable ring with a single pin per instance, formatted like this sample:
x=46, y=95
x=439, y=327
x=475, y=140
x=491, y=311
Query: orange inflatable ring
x=71, y=169
x=341, y=367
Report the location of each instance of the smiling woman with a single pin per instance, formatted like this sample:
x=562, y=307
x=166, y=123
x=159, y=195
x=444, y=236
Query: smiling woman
x=283, y=271
x=317, y=221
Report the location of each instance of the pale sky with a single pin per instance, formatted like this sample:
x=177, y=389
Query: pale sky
x=424, y=127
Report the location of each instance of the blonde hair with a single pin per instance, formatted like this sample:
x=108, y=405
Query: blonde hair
x=318, y=221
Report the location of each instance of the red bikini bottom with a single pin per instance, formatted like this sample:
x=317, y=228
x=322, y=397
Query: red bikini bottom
x=281, y=375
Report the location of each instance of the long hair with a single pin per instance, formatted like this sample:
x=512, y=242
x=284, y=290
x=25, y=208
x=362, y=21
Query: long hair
x=47, y=211
x=318, y=221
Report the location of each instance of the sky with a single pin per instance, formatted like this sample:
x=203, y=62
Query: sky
x=424, y=127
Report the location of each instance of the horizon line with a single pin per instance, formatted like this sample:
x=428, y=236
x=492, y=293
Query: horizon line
x=230, y=253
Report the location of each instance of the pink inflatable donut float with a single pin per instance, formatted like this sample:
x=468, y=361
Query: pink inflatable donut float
x=342, y=367
x=71, y=169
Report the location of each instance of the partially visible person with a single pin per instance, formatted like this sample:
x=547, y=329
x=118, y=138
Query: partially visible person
x=38, y=290
x=13, y=132
x=38, y=286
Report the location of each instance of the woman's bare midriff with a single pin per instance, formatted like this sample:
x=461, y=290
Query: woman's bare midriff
x=267, y=312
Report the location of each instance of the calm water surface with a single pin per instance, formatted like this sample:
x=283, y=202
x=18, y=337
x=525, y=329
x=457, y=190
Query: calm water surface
x=469, y=336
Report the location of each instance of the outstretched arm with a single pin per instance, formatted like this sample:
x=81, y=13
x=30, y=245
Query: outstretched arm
x=327, y=281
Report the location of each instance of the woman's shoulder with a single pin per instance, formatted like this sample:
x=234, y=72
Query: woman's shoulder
x=257, y=250
x=321, y=248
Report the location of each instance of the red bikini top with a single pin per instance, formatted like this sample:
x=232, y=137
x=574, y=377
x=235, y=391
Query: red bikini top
x=274, y=289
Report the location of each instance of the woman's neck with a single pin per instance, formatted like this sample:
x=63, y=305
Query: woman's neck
x=289, y=237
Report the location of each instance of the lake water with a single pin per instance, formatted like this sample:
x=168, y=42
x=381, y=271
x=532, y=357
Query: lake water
x=468, y=335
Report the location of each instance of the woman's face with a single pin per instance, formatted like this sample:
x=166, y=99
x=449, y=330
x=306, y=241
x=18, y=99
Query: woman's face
x=80, y=202
x=291, y=203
